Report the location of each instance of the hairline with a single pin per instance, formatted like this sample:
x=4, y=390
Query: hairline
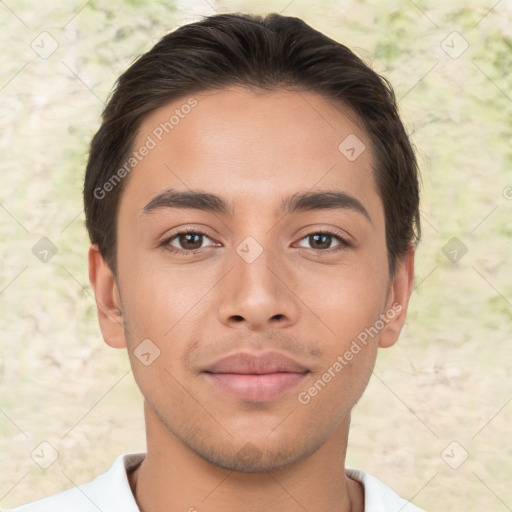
x=338, y=103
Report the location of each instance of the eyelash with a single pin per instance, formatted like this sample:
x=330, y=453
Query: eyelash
x=343, y=242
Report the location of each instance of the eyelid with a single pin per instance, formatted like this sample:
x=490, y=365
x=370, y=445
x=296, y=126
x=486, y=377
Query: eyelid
x=344, y=241
x=183, y=231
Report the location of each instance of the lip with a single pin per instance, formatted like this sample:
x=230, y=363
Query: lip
x=256, y=378
x=246, y=363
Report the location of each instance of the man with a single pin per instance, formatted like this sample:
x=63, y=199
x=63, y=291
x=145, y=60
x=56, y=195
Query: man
x=252, y=202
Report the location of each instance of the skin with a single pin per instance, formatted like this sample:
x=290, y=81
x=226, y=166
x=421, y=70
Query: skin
x=207, y=450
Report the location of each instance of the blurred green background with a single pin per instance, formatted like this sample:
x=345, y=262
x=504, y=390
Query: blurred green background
x=443, y=393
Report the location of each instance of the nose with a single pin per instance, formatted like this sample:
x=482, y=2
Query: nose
x=257, y=293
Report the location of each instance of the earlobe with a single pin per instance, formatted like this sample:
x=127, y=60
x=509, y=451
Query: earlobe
x=398, y=300
x=108, y=300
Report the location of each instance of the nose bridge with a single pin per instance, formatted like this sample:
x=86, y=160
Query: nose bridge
x=256, y=292
x=253, y=262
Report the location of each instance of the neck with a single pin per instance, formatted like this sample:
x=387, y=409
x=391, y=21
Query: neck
x=173, y=477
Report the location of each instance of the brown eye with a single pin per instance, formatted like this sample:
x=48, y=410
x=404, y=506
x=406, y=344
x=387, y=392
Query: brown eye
x=188, y=241
x=323, y=241
x=320, y=241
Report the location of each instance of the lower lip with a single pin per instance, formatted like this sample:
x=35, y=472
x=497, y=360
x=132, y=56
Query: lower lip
x=256, y=388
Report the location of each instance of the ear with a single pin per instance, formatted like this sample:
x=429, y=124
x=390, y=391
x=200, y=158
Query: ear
x=108, y=300
x=398, y=299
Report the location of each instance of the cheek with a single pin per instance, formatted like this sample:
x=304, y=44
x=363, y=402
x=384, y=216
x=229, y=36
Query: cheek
x=332, y=392
x=168, y=306
x=346, y=299
x=159, y=297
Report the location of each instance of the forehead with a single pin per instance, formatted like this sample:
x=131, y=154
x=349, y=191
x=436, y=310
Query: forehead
x=251, y=145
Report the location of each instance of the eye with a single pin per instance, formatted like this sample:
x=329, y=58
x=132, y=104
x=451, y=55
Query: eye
x=187, y=241
x=323, y=241
x=191, y=241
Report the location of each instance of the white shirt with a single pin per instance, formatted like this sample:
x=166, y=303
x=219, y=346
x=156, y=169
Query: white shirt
x=111, y=492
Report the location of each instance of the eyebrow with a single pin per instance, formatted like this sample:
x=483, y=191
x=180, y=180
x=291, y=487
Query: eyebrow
x=298, y=202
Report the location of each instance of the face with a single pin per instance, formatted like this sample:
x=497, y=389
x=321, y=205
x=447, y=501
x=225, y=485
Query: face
x=246, y=232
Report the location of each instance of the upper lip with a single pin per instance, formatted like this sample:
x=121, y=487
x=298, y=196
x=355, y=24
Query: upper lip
x=245, y=363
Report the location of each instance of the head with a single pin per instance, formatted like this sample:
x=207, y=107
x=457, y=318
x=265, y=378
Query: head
x=283, y=156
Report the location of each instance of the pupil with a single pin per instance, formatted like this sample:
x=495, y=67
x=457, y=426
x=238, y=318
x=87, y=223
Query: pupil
x=187, y=242
x=325, y=244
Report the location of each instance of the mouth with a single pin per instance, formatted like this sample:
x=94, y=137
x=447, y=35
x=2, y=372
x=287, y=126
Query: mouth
x=256, y=378
x=256, y=387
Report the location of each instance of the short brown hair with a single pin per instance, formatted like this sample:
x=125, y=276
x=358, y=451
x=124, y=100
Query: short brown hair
x=270, y=52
